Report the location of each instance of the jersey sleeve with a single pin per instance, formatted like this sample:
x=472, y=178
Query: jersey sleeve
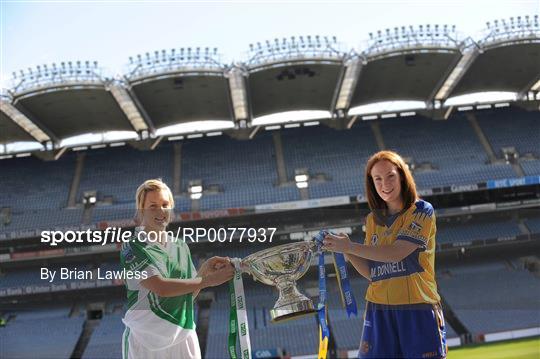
x=418, y=225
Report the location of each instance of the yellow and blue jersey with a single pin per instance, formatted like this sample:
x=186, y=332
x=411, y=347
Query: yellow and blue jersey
x=412, y=280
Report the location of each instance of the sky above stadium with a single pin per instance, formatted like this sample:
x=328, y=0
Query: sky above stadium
x=42, y=32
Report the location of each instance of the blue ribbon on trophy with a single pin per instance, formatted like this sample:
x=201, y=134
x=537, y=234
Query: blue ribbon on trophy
x=347, y=297
x=324, y=332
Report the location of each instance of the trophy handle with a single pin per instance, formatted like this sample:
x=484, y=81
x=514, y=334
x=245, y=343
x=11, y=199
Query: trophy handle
x=242, y=266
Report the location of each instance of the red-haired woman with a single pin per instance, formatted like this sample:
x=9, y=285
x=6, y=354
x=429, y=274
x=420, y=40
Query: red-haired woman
x=403, y=316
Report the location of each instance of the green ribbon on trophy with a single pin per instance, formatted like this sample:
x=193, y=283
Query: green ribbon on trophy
x=238, y=322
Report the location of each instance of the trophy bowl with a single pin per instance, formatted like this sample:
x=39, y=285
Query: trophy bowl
x=282, y=266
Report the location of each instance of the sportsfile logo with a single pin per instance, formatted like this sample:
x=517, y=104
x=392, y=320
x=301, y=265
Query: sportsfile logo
x=111, y=235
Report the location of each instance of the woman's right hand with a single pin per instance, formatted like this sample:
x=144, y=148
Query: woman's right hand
x=219, y=276
x=213, y=264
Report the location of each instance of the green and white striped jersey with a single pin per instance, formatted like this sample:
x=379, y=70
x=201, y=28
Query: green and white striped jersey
x=157, y=322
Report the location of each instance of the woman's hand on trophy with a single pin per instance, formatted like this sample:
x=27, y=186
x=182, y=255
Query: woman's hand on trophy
x=213, y=264
x=218, y=276
x=337, y=243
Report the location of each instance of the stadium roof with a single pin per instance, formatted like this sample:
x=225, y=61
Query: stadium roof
x=181, y=98
x=70, y=112
x=186, y=86
x=294, y=87
x=508, y=66
x=179, y=86
x=406, y=64
x=296, y=74
x=404, y=76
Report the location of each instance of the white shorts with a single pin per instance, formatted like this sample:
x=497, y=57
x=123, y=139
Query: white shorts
x=186, y=349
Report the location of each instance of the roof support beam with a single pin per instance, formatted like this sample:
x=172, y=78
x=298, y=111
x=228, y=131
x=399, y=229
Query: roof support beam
x=536, y=86
x=533, y=86
x=127, y=105
x=467, y=58
x=237, y=88
x=23, y=121
x=156, y=142
x=353, y=67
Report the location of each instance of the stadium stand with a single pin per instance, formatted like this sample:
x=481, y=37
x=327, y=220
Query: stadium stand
x=531, y=167
x=339, y=155
x=533, y=224
x=493, y=312
x=252, y=180
x=106, y=340
x=455, y=154
x=45, y=327
x=265, y=335
x=460, y=232
x=42, y=313
x=31, y=276
x=34, y=201
x=346, y=331
x=444, y=153
x=118, y=171
x=511, y=128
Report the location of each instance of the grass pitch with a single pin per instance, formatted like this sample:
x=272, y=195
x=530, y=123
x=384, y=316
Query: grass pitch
x=515, y=349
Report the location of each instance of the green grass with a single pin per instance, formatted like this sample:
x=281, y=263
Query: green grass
x=515, y=349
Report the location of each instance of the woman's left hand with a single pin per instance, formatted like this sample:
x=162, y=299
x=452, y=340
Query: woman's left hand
x=337, y=243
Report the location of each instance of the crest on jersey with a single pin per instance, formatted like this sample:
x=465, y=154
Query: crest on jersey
x=415, y=227
x=127, y=253
x=374, y=240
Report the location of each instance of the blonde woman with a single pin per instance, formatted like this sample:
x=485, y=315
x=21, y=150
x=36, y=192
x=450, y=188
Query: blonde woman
x=403, y=317
x=159, y=320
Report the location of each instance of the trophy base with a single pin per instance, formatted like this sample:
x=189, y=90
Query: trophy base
x=292, y=310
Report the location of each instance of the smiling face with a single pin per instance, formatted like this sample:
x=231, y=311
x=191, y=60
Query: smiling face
x=156, y=212
x=387, y=180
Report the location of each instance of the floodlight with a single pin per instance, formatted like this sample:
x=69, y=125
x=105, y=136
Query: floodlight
x=195, y=195
x=301, y=178
x=302, y=184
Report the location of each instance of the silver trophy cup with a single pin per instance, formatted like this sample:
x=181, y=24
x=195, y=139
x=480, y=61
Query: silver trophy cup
x=282, y=266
